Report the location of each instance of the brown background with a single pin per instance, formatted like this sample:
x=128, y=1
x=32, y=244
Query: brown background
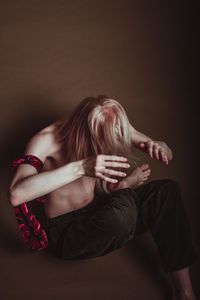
x=54, y=53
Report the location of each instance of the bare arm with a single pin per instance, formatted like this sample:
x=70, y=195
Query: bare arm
x=138, y=138
x=27, y=184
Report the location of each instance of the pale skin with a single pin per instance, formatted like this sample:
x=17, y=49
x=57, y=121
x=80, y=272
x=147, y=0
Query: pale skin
x=70, y=186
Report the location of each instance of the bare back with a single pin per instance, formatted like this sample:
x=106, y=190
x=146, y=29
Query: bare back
x=71, y=196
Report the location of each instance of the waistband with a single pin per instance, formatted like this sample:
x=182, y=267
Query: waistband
x=74, y=213
x=98, y=199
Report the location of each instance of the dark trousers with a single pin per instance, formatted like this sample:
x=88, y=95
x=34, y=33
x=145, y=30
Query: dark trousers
x=110, y=220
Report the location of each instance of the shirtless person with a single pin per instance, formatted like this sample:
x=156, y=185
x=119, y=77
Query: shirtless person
x=91, y=147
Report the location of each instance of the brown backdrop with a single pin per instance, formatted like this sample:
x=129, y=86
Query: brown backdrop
x=54, y=53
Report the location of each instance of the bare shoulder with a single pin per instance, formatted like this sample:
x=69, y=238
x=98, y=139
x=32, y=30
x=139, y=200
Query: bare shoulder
x=43, y=143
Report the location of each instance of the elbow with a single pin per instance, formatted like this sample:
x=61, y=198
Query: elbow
x=13, y=196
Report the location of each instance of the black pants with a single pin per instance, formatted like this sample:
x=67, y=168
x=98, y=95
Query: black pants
x=110, y=220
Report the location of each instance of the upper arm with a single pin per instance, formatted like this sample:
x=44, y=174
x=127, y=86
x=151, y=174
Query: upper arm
x=39, y=146
x=131, y=127
x=133, y=133
x=137, y=136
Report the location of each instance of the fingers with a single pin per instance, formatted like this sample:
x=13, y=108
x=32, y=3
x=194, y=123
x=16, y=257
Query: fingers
x=108, y=179
x=113, y=157
x=164, y=157
x=114, y=161
x=102, y=172
x=157, y=151
x=150, y=148
x=116, y=164
x=113, y=172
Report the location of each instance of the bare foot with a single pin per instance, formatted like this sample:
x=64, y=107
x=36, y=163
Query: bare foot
x=183, y=296
x=135, y=179
x=138, y=176
x=181, y=284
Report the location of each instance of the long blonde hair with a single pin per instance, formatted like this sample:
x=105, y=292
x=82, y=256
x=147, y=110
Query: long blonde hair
x=97, y=125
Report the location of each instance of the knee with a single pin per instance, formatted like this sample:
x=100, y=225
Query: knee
x=171, y=192
x=170, y=184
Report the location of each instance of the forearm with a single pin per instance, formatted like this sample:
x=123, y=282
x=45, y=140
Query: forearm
x=138, y=137
x=43, y=183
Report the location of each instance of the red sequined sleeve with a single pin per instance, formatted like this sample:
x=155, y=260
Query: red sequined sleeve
x=33, y=235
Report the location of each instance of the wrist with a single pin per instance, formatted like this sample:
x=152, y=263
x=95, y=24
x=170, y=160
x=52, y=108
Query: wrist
x=79, y=168
x=144, y=141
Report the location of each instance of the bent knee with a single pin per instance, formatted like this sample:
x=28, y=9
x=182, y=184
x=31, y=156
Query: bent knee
x=171, y=193
x=171, y=184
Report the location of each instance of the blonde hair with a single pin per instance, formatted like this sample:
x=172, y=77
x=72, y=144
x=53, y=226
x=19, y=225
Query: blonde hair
x=97, y=125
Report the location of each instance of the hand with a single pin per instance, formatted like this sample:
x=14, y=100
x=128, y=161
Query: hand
x=99, y=166
x=155, y=149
